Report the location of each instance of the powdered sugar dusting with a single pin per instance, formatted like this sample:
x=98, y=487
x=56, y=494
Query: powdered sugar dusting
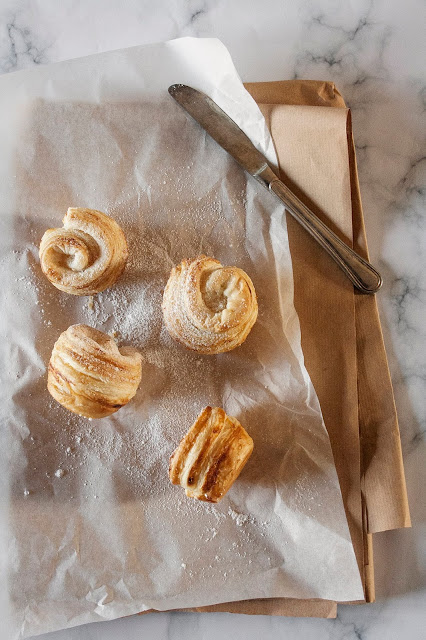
x=103, y=484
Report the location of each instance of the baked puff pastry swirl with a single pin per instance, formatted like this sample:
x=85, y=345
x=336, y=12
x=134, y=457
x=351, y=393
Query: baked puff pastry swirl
x=211, y=455
x=89, y=375
x=87, y=255
x=207, y=307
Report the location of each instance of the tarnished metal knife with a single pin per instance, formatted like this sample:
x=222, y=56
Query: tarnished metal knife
x=227, y=133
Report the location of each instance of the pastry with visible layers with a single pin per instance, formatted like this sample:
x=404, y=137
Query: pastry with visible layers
x=207, y=307
x=87, y=255
x=211, y=456
x=89, y=375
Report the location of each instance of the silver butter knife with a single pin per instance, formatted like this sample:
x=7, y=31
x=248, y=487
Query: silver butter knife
x=227, y=133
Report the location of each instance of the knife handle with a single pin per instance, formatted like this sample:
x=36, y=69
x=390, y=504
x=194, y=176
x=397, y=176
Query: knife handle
x=361, y=273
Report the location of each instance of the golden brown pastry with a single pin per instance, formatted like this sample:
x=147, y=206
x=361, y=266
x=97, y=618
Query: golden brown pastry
x=87, y=255
x=207, y=307
x=88, y=373
x=211, y=455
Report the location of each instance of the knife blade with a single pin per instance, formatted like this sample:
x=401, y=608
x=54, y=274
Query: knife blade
x=231, y=138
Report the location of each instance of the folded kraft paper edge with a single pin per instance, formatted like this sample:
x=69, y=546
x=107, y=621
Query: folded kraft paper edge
x=384, y=503
x=385, y=494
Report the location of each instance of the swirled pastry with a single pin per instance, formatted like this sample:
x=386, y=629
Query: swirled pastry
x=88, y=373
x=87, y=255
x=211, y=455
x=207, y=307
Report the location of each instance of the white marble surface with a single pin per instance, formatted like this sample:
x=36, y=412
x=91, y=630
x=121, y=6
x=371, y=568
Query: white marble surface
x=373, y=51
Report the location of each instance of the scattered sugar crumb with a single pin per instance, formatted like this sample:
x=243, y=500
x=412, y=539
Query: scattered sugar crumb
x=239, y=518
x=59, y=473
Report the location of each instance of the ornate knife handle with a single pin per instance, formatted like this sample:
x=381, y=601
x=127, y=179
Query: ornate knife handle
x=361, y=273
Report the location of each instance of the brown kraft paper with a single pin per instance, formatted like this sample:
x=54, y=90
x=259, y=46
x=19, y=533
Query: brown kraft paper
x=382, y=475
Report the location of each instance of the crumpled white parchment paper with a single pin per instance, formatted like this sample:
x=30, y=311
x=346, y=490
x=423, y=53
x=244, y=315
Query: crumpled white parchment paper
x=91, y=527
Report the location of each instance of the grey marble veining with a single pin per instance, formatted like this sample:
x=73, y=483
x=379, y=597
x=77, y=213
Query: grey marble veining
x=373, y=50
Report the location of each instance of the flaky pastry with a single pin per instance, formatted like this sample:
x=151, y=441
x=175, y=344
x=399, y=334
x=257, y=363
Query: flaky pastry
x=208, y=307
x=211, y=455
x=87, y=255
x=88, y=373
